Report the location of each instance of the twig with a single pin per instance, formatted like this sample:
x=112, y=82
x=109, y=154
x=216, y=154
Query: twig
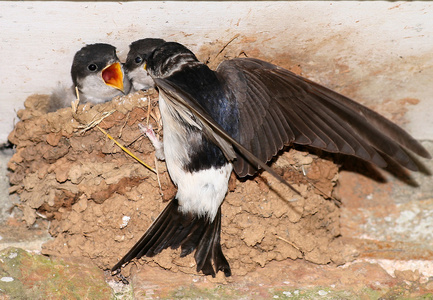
x=95, y=122
x=124, y=124
x=126, y=150
x=74, y=104
x=148, y=107
x=157, y=177
x=290, y=243
x=225, y=46
x=303, y=172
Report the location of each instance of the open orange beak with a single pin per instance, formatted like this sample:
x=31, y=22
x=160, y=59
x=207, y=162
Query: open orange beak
x=113, y=76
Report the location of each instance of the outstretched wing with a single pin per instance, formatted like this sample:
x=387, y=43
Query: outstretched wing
x=194, y=113
x=278, y=107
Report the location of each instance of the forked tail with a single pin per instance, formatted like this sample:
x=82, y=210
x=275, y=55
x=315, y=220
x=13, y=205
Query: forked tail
x=175, y=229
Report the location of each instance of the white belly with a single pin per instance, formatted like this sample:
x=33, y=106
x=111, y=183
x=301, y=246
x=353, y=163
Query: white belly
x=200, y=192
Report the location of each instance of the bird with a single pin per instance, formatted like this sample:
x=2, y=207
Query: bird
x=135, y=64
x=239, y=117
x=98, y=75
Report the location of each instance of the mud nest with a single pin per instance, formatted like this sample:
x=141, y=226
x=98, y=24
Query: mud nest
x=100, y=200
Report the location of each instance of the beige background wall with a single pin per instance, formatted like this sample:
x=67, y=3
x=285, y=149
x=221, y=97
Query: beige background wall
x=376, y=52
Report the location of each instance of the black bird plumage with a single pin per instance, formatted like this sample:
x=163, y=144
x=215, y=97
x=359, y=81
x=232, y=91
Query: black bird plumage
x=98, y=75
x=240, y=116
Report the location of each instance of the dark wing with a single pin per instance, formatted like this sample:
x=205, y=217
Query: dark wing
x=278, y=107
x=185, y=104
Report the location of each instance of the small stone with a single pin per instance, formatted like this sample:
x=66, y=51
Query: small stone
x=119, y=238
x=7, y=279
x=125, y=221
x=81, y=204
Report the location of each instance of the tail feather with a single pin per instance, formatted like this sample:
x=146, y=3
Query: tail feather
x=163, y=236
x=175, y=229
x=204, y=250
x=181, y=234
x=151, y=237
x=192, y=240
x=209, y=249
x=217, y=252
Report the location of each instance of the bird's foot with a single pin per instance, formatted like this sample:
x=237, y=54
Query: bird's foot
x=157, y=144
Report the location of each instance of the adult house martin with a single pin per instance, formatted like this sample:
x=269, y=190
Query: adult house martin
x=237, y=118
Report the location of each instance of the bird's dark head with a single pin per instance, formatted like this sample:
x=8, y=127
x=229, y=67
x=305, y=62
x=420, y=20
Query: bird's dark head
x=170, y=58
x=97, y=60
x=136, y=62
x=139, y=51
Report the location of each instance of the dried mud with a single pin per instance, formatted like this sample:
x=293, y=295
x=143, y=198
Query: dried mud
x=100, y=200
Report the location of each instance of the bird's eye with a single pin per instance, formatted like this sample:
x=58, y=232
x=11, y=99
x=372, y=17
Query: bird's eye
x=92, y=67
x=138, y=60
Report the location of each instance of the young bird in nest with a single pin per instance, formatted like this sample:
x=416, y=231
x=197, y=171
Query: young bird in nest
x=98, y=75
x=237, y=118
x=135, y=64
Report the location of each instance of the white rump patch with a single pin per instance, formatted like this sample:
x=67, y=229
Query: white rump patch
x=203, y=192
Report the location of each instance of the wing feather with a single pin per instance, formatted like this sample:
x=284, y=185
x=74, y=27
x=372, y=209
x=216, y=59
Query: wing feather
x=288, y=108
x=173, y=94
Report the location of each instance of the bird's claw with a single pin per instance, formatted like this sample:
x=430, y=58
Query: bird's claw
x=157, y=144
